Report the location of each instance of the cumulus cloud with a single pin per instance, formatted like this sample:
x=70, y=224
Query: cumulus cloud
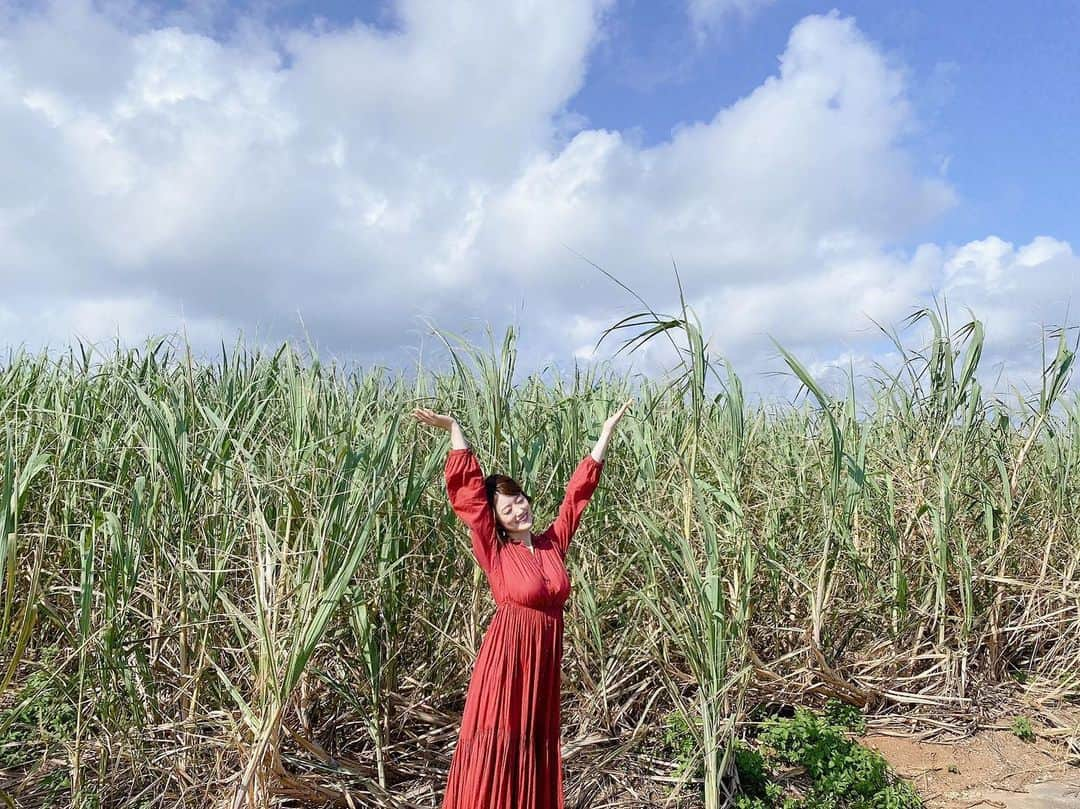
x=359, y=178
x=833, y=319
x=318, y=172
x=1018, y=292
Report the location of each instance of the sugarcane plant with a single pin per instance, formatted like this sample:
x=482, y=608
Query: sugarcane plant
x=695, y=592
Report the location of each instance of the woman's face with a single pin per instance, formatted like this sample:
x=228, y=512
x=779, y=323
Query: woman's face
x=513, y=511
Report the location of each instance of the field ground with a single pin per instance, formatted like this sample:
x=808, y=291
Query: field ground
x=991, y=770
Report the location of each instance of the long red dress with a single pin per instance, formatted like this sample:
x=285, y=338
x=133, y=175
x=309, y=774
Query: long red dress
x=507, y=754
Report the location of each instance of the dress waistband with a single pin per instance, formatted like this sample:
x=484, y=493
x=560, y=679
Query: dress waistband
x=554, y=612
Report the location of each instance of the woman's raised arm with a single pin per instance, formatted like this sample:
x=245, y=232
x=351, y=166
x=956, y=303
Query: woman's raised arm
x=465, y=487
x=582, y=485
x=578, y=491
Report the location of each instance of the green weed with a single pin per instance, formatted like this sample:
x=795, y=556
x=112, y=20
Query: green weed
x=842, y=774
x=1021, y=728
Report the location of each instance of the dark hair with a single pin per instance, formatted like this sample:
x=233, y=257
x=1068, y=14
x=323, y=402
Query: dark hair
x=502, y=485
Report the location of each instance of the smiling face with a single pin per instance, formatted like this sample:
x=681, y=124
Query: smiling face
x=513, y=511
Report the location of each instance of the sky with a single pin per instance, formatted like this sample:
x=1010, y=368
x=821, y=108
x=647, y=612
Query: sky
x=353, y=174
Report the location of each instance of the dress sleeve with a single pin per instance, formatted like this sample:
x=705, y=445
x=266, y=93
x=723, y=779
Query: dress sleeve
x=578, y=491
x=465, y=486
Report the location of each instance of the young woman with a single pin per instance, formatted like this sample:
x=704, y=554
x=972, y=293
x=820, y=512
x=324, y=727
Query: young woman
x=507, y=754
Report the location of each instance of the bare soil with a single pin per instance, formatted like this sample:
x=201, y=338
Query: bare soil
x=991, y=769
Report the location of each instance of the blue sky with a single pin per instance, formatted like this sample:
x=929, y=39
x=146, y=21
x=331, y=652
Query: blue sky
x=354, y=172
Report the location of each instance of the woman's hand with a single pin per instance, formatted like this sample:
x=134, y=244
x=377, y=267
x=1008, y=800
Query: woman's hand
x=430, y=417
x=606, y=431
x=609, y=425
x=443, y=422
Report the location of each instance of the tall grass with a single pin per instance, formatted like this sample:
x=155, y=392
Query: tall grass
x=232, y=581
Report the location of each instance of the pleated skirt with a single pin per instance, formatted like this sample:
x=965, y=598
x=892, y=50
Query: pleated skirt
x=508, y=755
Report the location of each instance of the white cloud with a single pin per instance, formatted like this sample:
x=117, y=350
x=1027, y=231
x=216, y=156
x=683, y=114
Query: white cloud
x=359, y=177
x=59, y=322
x=1014, y=291
x=785, y=203
x=212, y=175
x=709, y=15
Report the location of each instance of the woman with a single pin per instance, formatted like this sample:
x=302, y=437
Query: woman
x=507, y=755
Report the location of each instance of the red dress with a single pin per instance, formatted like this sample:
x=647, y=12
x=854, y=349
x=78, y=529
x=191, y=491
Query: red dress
x=507, y=754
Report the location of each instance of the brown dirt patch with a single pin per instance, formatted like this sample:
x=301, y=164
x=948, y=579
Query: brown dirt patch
x=980, y=772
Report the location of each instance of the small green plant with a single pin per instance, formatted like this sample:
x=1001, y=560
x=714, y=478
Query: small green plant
x=843, y=774
x=56, y=785
x=845, y=716
x=679, y=740
x=750, y=764
x=759, y=792
x=1021, y=728
x=43, y=713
